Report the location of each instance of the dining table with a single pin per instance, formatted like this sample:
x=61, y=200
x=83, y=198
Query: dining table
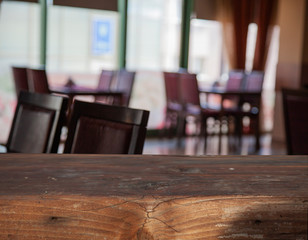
x=149, y=197
x=237, y=110
x=223, y=92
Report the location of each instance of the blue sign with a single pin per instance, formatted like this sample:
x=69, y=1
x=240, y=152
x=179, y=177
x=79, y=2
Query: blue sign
x=102, y=39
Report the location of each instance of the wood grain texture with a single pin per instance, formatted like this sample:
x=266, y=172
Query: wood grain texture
x=153, y=197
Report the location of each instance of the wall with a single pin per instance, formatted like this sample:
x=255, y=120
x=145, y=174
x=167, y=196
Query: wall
x=291, y=19
x=305, y=53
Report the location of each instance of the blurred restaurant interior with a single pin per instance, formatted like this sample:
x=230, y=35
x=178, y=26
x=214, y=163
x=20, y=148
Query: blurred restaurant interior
x=259, y=44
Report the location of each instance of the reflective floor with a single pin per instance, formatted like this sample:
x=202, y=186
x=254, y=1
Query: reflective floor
x=195, y=146
x=228, y=146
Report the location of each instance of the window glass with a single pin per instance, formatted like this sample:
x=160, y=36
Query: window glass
x=153, y=46
x=81, y=42
x=19, y=45
x=205, y=49
x=153, y=40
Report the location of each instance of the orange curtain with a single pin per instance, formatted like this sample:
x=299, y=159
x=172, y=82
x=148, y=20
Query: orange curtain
x=235, y=16
x=242, y=17
x=265, y=18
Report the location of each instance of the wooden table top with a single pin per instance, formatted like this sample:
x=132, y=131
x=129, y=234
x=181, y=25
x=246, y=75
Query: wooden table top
x=153, y=197
x=125, y=175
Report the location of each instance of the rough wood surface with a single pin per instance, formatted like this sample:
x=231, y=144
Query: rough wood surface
x=153, y=197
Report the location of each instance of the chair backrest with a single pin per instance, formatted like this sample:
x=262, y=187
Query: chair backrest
x=20, y=79
x=235, y=80
x=235, y=83
x=106, y=129
x=104, y=83
x=37, y=123
x=105, y=79
x=172, y=87
x=38, y=82
x=295, y=106
x=254, y=81
x=189, y=89
x=124, y=83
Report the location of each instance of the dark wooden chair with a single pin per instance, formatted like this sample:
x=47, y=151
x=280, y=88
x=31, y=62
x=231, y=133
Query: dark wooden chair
x=174, y=105
x=202, y=111
x=104, y=83
x=105, y=79
x=37, y=123
x=190, y=97
x=124, y=83
x=106, y=129
x=20, y=79
x=38, y=81
x=295, y=106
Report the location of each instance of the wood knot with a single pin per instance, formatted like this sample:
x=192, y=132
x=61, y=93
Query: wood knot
x=258, y=222
x=55, y=219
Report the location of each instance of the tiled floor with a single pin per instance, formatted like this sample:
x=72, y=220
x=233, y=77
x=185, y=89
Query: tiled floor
x=195, y=146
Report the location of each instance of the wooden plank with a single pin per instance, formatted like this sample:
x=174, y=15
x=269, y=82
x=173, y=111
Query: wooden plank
x=153, y=197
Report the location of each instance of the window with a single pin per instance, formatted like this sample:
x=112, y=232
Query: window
x=81, y=42
x=153, y=46
x=205, y=50
x=154, y=34
x=19, y=45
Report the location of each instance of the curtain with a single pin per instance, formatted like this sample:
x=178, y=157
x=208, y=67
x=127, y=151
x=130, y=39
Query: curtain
x=265, y=18
x=242, y=17
x=235, y=16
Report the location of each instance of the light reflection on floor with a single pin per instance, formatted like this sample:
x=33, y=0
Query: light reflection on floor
x=229, y=146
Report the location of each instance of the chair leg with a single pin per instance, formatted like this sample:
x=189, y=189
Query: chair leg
x=180, y=128
x=166, y=129
x=239, y=131
x=232, y=134
x=220, y=134
x=203, y=132
x=171, y=121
